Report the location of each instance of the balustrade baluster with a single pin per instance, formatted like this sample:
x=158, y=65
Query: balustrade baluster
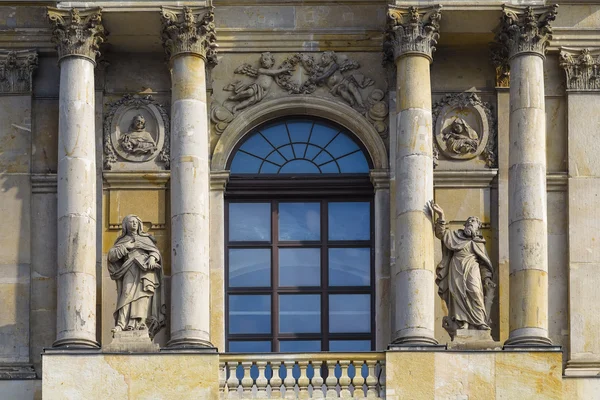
x=345, y=380
x=358, y=380
x=303, y=380
x=261, y=381
x=276, y=380
x=233, y=382
x=331, y=381
x=289, y=382
x=372, y=380
x=222, y=380
x=382, y=379
x=317, y=380
x=247, y=381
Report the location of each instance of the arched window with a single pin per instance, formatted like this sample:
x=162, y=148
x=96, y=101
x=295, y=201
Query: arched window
x=299, y=236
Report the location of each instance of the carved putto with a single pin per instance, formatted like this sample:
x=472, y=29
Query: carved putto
x=135, y=264
x=77, y=32
x=136, y=130
x=464, y=128
x=582, y=68
x=191, y=30
x=465, y=276
x=16, y=70
x=335, y=73
x=411, y=30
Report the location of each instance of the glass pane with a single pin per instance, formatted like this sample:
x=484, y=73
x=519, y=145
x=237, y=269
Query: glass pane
x=249, y=222
x=350, y=267
x=299, y=167
x=299, y=131
x=248, y=346
x=341, y=145
x=257, y=145
x=249, y=267
x=354, y=163
x=299, y=221
x=299, y=313
x=249, y=314
x=322, y=135
x=299, y=267
x=349, y=345
x=299, y=346
x=349, y=313
x=350, y=221
x=243, y=163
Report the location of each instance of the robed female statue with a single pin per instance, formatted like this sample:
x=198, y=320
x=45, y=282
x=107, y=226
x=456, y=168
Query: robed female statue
x=134, y=263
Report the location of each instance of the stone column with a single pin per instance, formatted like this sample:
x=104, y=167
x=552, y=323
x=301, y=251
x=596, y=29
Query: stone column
x=583, y=102
x=77, y=34
x=525, y=31
x=381, y=184
x=411, y=37
x=189, y=40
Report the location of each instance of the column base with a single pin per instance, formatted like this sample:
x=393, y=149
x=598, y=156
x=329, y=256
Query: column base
x=414, y=342
x=191, y=344
x=528, y=341
x=76, y=343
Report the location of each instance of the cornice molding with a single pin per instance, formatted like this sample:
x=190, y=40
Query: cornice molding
x=77, y=32
x=411, y=30
x=464, y=178
x=136, y=180
x=16, y=70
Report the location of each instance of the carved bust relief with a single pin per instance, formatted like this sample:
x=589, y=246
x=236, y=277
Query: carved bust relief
x=464, y=128
x=136, y=131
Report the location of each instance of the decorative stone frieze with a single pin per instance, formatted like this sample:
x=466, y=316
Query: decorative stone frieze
x=189, y=30
x=525, y=29
x=77, y=32
x=411, y=30
x=16, y=70
x=136, y=129
x=464, y=128
x=582, y=68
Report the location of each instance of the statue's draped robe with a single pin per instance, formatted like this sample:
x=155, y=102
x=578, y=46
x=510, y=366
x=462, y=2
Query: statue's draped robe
x=138, y=287
x=141, y=141
x=460, y=275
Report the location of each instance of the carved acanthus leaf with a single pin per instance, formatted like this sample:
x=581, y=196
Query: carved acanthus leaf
x=189, y=30
x=525, y=29
x=77, y=32
x=499, y=58
x=582, y=68
x=16, y=70
x=411, y=30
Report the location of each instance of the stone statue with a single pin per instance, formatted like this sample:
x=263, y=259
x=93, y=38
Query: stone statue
x=329, y=72
x=464, y=276
x=134, y=262
x=460, y=139
x=248, y=94
x=138, y=140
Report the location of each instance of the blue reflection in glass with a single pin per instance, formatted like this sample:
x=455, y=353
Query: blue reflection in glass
x=349, y=345
x=249, y=314
x=245, y=163
x=349, y=313
x=299, y=267
x=349, y=221
x=353, y=163
x=299, y=221
x=249, y=267
x=299, y=346
x=249, y=222
x=350, y=267
x=299, y=313
x=299, y=167
x=257, y=145
x=299, y=130
x=342, y=145
x=249, y=346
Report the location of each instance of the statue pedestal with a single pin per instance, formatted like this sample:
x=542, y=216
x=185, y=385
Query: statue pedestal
x=132, y=342
x=474, y=339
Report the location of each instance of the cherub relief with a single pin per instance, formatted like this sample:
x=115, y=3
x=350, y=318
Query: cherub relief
x=247, y=94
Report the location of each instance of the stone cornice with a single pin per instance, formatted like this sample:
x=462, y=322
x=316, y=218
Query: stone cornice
x=380, y=178
x=16, y=70
x=582, y=68
x=189, y=30
x=412, y=30
x=77, y=32
x=218, y=180
x=525, y=30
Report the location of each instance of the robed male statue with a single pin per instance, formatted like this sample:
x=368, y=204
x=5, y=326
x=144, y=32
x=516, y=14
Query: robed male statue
x=465, y=275
x=134, y=263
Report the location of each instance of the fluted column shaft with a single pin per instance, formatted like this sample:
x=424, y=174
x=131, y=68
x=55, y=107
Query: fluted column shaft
x=412, y=279
x=77, y=34
x=190, y=179
x=526, y=32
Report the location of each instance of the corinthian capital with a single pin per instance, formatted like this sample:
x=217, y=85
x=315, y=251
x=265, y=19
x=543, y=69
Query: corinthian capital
x=16, y=70
x=525, y=29
x=77, y=32
x=582, y=68
x=189, y=30
x=412, y=30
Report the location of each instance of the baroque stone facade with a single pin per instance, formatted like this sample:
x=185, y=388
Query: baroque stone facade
x=131, y=202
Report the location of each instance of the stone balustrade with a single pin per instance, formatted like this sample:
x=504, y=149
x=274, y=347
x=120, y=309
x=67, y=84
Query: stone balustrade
x=302, y=376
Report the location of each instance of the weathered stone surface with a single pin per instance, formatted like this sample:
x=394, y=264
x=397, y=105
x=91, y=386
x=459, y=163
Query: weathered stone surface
x=136, y=341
